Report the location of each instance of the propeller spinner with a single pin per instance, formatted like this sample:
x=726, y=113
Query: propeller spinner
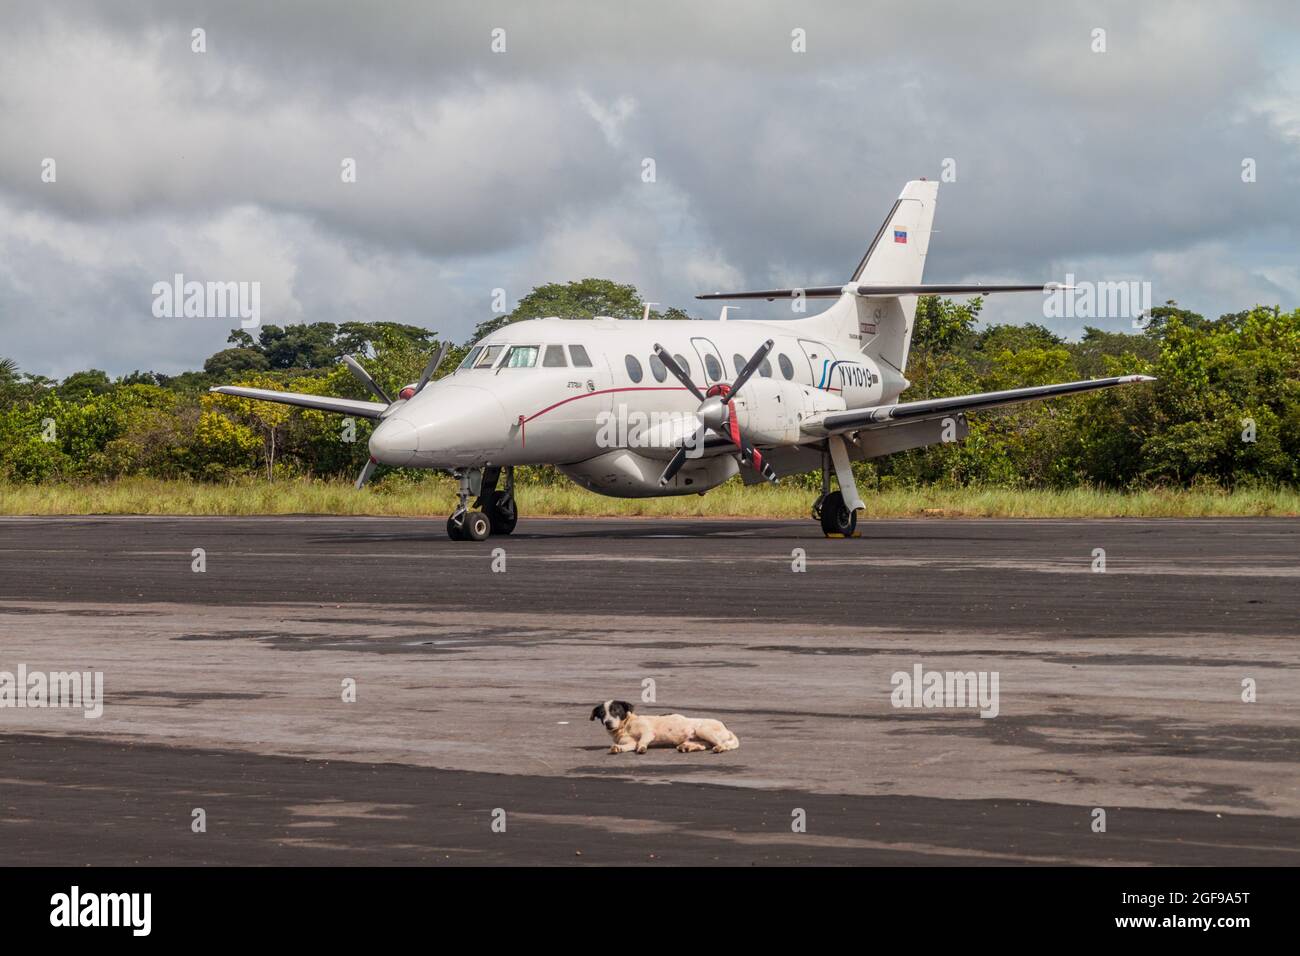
x=717, y=412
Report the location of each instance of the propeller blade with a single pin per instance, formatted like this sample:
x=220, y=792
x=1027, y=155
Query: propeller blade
x=749, y=455
x=432, y=366
x=678, y=372
x=366, y=472
x=750, y=367
x=364, y=377
x=674, y=466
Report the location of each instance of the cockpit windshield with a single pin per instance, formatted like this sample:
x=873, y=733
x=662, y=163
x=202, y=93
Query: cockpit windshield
x=521, y=356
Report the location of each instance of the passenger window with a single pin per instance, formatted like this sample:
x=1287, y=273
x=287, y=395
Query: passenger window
x=787, y=367
x=633, y=368
x=578, y=355
x=489, y=356
x=684, y=365
x=554, y=357
x=521, y=356
x=712, y=367
x=739, y=361
x=468, y=361
x=658, y=369
x=765, y=370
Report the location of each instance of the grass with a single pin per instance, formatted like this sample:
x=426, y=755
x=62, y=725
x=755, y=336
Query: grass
x=141, y=496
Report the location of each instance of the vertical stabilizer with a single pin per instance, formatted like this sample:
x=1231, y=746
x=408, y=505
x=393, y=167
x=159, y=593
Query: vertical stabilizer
x=896, y=257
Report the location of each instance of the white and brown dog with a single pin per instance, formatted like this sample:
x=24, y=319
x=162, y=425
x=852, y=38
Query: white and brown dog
x=635, y=732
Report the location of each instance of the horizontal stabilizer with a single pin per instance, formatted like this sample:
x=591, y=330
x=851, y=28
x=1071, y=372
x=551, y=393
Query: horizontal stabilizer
x=872, y=289
x=324, y=403
x=883, y=415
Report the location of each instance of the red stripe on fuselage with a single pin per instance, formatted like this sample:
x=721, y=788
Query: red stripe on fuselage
x=606, y=391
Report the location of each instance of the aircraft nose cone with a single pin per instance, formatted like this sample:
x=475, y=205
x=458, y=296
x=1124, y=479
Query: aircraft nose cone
x=393, y=442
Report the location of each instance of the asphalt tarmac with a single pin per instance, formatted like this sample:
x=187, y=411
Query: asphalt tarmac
x=1124, y=695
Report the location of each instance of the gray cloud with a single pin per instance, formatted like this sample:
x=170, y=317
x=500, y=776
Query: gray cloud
x=478, y=170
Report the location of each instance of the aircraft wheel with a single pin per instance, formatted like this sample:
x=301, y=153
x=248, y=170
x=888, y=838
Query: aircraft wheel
x=477, y=527
x=836, y=518
x=501, y=512
x=456, y=529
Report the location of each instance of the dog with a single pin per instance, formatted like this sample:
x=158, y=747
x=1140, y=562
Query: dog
x=633, y=731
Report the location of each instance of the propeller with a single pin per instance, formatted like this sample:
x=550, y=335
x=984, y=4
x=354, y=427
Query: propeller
x=366, y=472
x=717, y=412
x=364, y=377
x=355, y=367
x=432, y=366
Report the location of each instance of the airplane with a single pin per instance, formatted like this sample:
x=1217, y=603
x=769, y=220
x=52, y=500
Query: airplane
x=648, y=408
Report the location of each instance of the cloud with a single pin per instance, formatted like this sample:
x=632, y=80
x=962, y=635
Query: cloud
x=478, y=170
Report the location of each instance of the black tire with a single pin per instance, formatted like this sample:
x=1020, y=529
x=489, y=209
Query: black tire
x=836, y=518
x=477, y=526
x=455, y=531
x=501, y=512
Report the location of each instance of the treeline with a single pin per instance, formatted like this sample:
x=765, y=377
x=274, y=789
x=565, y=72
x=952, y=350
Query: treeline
x=1225, y=410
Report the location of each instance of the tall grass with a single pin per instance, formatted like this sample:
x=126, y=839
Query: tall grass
x=143, y=496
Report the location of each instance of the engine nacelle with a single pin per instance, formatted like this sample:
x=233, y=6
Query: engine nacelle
x=625, y=474
x=771, y=412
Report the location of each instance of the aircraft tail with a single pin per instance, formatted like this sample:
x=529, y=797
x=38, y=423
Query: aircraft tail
x=878, y=303
x=896, y=257
x=877, y=306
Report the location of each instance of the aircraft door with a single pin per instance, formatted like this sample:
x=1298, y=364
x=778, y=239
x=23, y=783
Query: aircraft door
x=594, y=380
x=820, y=358
x=565, y=417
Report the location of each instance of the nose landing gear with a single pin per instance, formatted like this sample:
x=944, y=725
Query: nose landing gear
x=468, y=526
x=499, y=515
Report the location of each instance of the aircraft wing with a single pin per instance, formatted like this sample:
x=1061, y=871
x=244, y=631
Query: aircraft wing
x=882, y=416
x=325, y=403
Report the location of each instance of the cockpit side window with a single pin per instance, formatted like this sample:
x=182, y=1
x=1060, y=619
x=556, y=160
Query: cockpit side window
x=470, y=357
x=579, y=356
x=489, y=356
x=554, y=357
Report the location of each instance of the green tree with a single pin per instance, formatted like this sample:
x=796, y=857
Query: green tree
x=581, y=299
x=230, y=363
x=81, y=385
x=299, y=346
x=941, y=324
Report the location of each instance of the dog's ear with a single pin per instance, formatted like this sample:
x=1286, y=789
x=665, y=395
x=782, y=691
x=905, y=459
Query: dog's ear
x=627, y=708
x=597, y=712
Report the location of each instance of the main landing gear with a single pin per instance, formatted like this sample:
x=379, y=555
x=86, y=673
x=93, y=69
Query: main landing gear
x=498, y=514
x=837, y=510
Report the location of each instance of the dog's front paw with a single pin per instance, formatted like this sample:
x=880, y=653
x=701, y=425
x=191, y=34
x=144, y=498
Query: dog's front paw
x=641, y=749
x=615, y=749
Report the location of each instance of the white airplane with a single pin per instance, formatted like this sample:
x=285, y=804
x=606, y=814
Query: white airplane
x=641, y=409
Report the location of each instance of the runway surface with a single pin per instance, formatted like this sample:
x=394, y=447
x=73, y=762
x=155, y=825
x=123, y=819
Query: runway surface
x=1119, y=691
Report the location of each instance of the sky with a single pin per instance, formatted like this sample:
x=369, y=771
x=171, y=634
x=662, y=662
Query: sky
x=504, y=145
